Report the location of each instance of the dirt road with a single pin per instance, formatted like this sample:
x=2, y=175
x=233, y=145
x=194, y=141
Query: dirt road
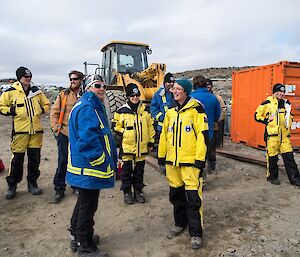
x=243, y=214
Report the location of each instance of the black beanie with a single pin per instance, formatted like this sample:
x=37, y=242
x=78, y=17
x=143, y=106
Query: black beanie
x=278, y=88
x=23, y=71
x=132, y=89
x=169, y=78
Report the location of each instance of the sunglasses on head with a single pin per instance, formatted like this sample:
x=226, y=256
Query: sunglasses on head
x=100, y=86
x=74, y=79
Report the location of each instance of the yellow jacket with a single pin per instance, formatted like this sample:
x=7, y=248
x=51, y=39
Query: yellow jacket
x=25, y=109
x=282, y=117
x=136, y=129
x=56, y=109
x=184, y=137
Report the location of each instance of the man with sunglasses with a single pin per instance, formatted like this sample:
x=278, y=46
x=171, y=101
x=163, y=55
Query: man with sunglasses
x=91, y=164
x=26, y=103
x=59, y=117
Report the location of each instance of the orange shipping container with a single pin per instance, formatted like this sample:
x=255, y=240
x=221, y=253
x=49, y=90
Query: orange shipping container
x=250, y=88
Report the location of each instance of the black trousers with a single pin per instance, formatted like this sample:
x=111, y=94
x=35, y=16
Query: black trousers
x=211, y=151
x=82, y=220
x=17, y=163
x=133, y=176
x=187, y=204
x=59, y=180
x=290, y=167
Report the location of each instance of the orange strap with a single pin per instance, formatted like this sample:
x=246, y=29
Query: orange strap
x=62, y=111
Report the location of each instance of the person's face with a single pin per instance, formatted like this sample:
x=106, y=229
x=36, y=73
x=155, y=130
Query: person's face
x=279, y=95
x=75, y=81
x=179, y=93
x=134, y=98
x=169, y=85
x=25, y=80
x=99, y=89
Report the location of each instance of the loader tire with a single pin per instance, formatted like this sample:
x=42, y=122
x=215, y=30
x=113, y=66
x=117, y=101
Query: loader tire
x=114, y=100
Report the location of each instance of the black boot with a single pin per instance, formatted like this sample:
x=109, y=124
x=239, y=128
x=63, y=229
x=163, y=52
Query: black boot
x=59, y=195
x=11, y=192
x=139, y=197
x=128, y=199
x=74, y=244
x=34, y=189
x=89, y=249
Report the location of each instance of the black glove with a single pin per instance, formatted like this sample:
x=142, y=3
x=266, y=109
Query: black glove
x=12, y=111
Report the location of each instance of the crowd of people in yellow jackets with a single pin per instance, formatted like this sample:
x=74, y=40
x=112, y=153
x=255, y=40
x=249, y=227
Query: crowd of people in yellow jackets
x=183, y=121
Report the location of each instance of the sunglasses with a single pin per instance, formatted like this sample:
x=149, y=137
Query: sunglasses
x=27, y=77
x=100, y=86
x=135, y=95
x=74, y=79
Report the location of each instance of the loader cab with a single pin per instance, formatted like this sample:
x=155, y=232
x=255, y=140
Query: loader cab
x=123, y=57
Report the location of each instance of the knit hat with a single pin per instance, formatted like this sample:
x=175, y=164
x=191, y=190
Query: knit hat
x=186, y=85
x=132, y=89
x=23, y=71
x=169, y=78
x=91, y=80
x=278, y=88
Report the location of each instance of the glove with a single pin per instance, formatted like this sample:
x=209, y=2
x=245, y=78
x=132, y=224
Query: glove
x=12, y=111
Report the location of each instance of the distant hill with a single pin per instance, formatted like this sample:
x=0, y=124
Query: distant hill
x=221, y=78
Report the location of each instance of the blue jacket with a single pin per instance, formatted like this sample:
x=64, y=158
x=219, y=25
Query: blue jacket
x=211, y=106
x=92, y=151
x=161, y=102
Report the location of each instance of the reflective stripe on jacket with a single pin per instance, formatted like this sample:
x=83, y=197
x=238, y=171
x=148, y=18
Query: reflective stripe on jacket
x=92, y=151
x=136, y=129
x=28, y=109
x=184, y=137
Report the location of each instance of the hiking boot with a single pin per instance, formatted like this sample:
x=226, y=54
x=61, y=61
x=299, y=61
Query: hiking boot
x=11, y=192
x=128, y=199
x=34, y=189
x=176, y=230
x=74, y=244
x=139, y=197
x=196, y=242
x=274, y=181
x=59, y=195
x=296, y=183
x=89, y=249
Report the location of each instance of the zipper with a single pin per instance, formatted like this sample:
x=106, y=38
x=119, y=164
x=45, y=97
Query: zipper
x=180, y=132
x=30, y=116
x=176, y=138
x=141, y=131
x=138, y=135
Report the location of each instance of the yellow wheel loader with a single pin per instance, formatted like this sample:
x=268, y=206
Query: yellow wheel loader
x=126, y=62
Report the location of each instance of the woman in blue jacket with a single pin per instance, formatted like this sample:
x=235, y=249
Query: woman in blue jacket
x=92, y=162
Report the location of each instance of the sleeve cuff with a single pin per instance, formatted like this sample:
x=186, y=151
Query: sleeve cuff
x=161, y=161
x=199, y=164
x=150, y=144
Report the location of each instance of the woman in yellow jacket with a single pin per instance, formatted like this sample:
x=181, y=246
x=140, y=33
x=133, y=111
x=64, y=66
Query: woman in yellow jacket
x=275, y=113
x=182, y=147
x=26, y=104
x=135, y=125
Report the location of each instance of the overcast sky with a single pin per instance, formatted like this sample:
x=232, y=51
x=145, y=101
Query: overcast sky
x=52, y=37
